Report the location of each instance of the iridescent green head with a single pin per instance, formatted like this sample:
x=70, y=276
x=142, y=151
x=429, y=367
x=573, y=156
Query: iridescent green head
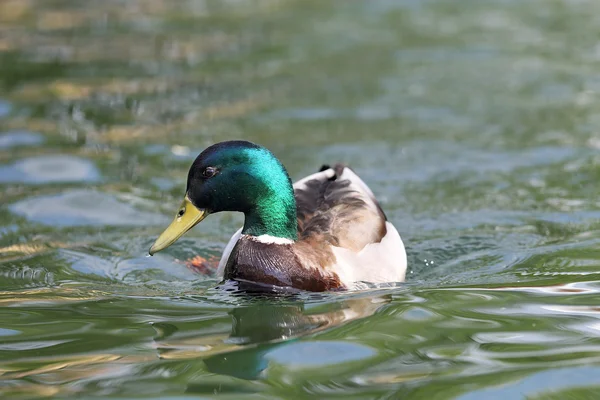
x=237, y=176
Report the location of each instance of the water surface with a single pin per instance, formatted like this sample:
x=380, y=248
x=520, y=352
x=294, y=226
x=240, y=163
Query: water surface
x=475, y=123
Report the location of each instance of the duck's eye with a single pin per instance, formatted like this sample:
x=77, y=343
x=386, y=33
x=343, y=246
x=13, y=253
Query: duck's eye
x=209, y=172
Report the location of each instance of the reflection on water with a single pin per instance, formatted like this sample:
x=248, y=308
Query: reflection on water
x=49, y=169
x=475, y=123
x=4, y=108
x=268, y=334
x=557, y=384
x=388, y=342
x=19, y=138
x=82, y=207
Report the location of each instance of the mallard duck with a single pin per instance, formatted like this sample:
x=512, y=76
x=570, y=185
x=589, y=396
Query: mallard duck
x=325, y=232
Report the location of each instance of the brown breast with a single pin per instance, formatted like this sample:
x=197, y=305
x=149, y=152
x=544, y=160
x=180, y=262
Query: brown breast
x=281, y=265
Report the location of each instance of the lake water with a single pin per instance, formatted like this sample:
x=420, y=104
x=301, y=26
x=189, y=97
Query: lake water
x=477, y=125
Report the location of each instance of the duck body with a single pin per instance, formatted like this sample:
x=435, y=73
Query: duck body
x=343, y=238
x=325, y=232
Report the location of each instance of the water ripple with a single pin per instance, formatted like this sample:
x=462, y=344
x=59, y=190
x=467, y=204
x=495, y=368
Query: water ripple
x=5, y=108
x=73, y=208
x=20, y=138
x=50, y=169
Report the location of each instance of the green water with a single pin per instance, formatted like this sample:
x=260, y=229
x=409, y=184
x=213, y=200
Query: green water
x=476, y=123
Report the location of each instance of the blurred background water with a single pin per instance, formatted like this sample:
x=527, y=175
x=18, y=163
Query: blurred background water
x=475, y=123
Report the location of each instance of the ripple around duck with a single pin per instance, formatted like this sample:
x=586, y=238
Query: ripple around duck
x=20, y=138
x=74, y=208
x=50, y=169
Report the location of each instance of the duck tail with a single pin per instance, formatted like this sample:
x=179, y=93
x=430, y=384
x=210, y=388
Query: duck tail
x=338, y=169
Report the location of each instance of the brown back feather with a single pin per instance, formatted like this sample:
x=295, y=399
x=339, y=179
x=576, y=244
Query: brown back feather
x=335, y=211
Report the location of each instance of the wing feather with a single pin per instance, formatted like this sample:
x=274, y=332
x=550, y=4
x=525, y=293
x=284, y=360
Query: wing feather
x=337, y=206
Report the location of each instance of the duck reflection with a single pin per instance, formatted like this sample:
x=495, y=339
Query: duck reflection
x=260, y=328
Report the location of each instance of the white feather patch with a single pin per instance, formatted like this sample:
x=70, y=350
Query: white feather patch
x=268, y=239
x=227, y=252
x=376, y=263
x=323, y=175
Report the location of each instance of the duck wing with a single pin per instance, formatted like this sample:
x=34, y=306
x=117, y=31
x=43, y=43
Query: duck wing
x=335, y=205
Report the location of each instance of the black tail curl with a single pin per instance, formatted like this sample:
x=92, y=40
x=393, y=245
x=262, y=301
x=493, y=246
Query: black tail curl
x=338, y=169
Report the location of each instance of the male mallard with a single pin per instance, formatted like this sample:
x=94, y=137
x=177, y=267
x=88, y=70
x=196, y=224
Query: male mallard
x=325, y=232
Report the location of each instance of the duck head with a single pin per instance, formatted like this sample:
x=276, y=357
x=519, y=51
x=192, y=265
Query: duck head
x=236, y=176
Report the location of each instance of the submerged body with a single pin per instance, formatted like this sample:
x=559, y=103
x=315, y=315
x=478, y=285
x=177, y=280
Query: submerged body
x=325, y=232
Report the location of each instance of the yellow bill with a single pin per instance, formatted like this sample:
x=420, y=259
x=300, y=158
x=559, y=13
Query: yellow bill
x=187, y=217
